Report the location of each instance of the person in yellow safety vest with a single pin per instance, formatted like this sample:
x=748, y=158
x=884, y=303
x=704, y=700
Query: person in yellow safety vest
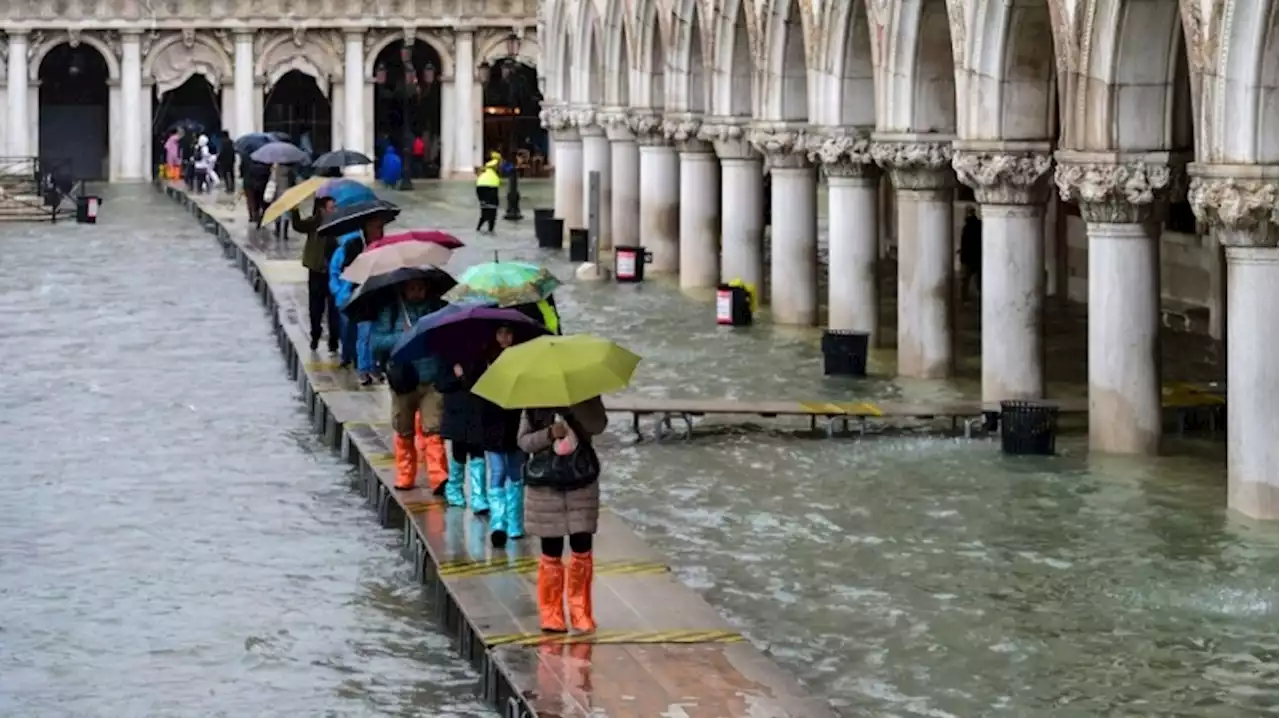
x=487, y=184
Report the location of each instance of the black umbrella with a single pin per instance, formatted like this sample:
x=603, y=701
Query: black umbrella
x=339, y=159
x=246, y=144
x=352, y=217
x=188, y=125
x=279, y=153
x=374, y=294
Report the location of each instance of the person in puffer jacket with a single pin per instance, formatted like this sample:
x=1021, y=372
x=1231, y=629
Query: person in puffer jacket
x=356, y=345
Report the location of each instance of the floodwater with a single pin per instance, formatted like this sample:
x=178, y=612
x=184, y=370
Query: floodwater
x=173, y=535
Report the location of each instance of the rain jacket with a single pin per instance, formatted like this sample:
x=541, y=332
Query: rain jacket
x=317, y=251
x=391, y=166
x=391, y=323
x=351, y=244
x=489, y=175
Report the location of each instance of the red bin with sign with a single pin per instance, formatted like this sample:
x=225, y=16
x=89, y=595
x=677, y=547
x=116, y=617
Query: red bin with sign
x=628, y=263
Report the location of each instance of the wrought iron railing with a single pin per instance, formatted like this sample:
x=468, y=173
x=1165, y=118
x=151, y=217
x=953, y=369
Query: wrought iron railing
x=37, y=190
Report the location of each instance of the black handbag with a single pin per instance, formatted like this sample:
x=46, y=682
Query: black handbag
x=564, y=473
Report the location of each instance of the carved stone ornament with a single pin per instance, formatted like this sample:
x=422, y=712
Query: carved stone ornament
x=188, y=37
x=1122, y=192
x=616, y=123
x=916, y=165
x=784, y=145
x=1240, y=208
x=843, y=152
x=1005, y=177
x=560, y=122
x=34, y=41
x=177, y=62
x=682, y=129
x=586, y=119
x=74, y=37
x=729, y=137
x=646, y=125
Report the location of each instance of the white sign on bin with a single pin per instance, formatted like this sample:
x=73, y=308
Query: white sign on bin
x=92, y=208
x=724, y=307
x=626, y=265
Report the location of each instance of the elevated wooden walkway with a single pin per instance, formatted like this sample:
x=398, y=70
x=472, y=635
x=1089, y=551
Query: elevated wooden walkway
x=660, y=651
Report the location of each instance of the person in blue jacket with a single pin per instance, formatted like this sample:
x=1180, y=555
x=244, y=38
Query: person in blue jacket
x=391, y=167
x=356, y=346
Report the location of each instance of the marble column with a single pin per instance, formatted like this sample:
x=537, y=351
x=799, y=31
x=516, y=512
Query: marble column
x=17, y=122
x=353, y=130
x=245, y=120
x=659, y=194
x=465, y=106
x=559, y=121
x=741, y=202
x=699, y=209
x=793, y=269
x=853, y=232
x=624, y=166
x=920, y=169
x=1121, y=200
x=1239, y=205
x=131, y=97
x=596, y=158
x=1011, y=182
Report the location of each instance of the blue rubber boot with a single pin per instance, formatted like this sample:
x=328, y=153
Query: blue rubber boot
x=515, y=509
x=453, y=488
x=476, y=476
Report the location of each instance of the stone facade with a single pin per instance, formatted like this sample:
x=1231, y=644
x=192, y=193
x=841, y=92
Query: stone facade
x=243, y=48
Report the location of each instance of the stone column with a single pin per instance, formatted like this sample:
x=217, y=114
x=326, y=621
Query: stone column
x=245, y=120
x=920, y=169
x=464, y=85
x=793, y=269
x=17, y=92
x=699, y=203
x=596, y=158
x=131, y=97
x=1011, y=182
x=741, y=201
x=1121, y=200
x=853, y=231
x=624, y=165
x=1239, y=204
x=353, y=93
x=659, y=194
x=568, y=168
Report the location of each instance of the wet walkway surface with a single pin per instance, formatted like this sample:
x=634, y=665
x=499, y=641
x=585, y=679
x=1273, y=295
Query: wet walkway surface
x=147, y=542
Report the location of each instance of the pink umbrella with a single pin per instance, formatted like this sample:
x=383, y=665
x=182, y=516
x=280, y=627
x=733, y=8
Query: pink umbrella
x=430, y=236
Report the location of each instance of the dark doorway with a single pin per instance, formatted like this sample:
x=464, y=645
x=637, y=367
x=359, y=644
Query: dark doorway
x=193, y=106
x=406, y=105
x=74, y=136
x=296, y=107
x=511, y=124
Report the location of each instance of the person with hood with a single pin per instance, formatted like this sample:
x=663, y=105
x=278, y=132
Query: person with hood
x=970, y=253
x=488, y=183
x=356, y=346
x=317, y=252
x=206, y=178
x=391, y=167
x=416, y=403
x=462, y=425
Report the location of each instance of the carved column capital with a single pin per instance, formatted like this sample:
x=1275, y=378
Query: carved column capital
x=1237, y=200
x=586, y=119
x=785, y=145
x=646, y=125
x=1005, y=172
x=728, y=135
x=616, y=122
x=915, y=162
x=682, y=129
x=560, y=121
x=843, y=152
x=1117, y=188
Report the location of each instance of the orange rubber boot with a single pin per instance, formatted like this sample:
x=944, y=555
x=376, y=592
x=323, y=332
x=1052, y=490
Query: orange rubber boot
x=406, y=462
x=436, y=461
x=551, y=594
x=581, y=574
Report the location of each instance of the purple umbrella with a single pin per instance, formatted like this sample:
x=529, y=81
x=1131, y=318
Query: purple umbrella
x=461, y=331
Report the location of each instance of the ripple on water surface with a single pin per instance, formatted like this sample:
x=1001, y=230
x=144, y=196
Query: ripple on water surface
x=173, y=539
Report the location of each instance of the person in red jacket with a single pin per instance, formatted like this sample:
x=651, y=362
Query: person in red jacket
x=419, y=157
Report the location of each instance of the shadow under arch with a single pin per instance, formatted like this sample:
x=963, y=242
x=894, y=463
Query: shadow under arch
x=74, y=111
x=296, y=107
x=406, y=104
x=192, y=105
x=512, y=102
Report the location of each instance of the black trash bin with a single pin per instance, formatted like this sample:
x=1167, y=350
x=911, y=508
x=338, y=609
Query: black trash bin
x=1028, y=428
x=579, y=246
x=87, y=209
x=551, y=233
x=844, y=353
x=628, y=263
x=733, y=306
x=540, y=217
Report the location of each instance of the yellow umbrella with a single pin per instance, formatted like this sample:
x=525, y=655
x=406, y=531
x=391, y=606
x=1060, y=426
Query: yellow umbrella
x=293, y=197
x=552, y=371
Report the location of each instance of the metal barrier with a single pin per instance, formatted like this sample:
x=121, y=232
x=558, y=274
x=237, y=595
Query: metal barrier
x=32, y=190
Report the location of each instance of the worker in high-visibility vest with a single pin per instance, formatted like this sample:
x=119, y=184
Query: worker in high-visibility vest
x=487, y=184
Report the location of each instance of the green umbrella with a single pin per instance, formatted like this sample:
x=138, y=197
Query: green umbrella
x=505, y=284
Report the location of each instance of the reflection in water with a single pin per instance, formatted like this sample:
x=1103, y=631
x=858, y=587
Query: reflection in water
x=173, y=539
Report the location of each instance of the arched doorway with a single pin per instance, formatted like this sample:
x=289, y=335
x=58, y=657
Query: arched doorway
x=296, y=106
x=512, y=101
x=74, y=111
x=406, y=103
x=193, y=105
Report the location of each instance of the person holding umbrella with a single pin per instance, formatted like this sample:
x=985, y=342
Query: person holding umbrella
x=316, y=255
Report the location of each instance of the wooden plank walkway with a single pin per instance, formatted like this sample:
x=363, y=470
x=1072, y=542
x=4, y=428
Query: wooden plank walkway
x=660, y=651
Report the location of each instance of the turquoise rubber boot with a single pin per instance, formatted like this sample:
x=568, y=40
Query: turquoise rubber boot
x=478, y=479
x=453, y=488
x=515, y=509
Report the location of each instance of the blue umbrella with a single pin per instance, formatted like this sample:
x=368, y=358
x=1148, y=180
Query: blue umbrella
x=246, y=144
x=345, y=192
x=279, y=153
x=460, y=332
